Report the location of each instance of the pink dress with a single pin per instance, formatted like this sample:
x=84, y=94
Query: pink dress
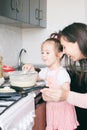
x=60, y=115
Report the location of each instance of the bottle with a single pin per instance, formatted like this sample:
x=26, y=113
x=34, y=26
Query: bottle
x=1, y=67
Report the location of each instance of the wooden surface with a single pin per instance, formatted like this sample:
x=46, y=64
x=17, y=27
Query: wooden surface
x=40, y=119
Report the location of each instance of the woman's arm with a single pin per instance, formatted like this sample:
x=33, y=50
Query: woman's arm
x=77, y=99
x=62, y=94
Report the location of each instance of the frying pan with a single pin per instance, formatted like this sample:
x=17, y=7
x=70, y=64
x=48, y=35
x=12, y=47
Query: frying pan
x=19, y=91
x=28, y=90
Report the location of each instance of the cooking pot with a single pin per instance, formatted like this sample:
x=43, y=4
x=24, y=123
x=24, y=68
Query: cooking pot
x=22, y=79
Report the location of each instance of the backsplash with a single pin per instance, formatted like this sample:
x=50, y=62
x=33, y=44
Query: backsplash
x=10, y=44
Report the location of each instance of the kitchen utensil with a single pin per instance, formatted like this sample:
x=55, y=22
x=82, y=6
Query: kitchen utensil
x=28, y=90
x=6, y=92
x=21, y=79
x=8, y=95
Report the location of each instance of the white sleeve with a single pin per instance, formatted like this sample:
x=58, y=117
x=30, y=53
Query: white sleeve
x=63, y=77
x=42, y=73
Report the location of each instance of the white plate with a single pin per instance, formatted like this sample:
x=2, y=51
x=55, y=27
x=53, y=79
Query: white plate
x=1, y=81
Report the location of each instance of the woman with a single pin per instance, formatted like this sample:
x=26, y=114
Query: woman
x=74, y=41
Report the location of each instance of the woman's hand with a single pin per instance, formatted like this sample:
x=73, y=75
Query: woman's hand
x=27, y=67
x=54, y=94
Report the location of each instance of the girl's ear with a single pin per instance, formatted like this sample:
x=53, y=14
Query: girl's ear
x=60, y=55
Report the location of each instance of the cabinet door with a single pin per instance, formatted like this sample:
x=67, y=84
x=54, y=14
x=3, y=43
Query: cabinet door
x=38, y=12
x=23, y=10
x=43, y=10
x=40, y=119
x=8, y=8
x=34, y=12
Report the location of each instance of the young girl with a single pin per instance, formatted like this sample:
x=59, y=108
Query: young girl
x=60, y=115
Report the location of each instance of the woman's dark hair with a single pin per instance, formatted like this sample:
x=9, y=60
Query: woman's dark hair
x=77, y=32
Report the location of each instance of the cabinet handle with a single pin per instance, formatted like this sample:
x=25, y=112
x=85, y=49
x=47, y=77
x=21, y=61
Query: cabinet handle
x=13, y=5
x=37, y=14
x=40, y=15
x=19, y=5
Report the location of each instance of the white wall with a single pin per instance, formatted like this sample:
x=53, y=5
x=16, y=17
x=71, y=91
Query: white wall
x=59, y=14
x=10, y=44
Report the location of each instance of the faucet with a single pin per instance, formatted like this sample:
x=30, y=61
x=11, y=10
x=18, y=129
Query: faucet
x=19, y=61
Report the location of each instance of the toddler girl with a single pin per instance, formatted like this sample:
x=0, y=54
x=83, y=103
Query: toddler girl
x=60, y=115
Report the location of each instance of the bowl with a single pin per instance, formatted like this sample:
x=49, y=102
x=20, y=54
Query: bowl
x=22, y=79
x=7, y=70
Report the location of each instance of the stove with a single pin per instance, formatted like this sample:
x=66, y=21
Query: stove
x=18, y=115
x=17, y=110
x=5, y=103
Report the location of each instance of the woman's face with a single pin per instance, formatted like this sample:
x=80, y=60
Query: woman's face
x=71, y=49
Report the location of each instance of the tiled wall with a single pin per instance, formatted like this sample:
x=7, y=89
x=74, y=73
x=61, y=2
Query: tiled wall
x=10, y=44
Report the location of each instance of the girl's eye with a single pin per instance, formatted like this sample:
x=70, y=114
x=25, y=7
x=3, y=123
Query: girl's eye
x=47, y=52
x=42, y=52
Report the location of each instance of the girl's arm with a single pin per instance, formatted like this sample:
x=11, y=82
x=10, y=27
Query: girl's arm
x=29, y=67
x=66, y=86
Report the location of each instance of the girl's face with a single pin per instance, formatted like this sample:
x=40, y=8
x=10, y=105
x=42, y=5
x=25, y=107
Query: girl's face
x=71, y=49
x=49, y=54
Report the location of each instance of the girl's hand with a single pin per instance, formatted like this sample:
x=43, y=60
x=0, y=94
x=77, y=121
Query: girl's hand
x=28, y=67
x=54, y=94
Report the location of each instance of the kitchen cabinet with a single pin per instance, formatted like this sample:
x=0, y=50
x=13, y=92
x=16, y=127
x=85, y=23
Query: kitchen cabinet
x=28, y=13
x=38, y=12
x=40, y=119
x=15, y=9
x=40, y=113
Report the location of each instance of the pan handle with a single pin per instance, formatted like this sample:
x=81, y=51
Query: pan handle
x=17, y=89
x=35, y=88
x=28, y=90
